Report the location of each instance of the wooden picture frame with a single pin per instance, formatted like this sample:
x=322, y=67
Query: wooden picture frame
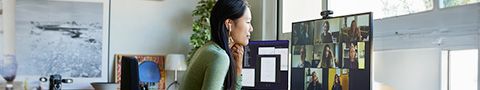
x=158, y=59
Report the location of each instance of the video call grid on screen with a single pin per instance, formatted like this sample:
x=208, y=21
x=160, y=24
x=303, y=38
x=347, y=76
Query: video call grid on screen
x=332, y=53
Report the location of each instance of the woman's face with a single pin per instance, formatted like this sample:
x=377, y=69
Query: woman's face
x=241, y=28
x=327, y=51
x=337, y=79
x=354, y=24
x=352, y=52
x=325, y=27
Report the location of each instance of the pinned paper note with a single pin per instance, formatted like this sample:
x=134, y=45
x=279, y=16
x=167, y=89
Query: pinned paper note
x=248, y=77
x=267, y=69
x=283, y=58
x=266, y=50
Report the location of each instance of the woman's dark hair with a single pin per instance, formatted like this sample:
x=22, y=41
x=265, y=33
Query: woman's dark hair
x=325, y=51
x=352, y=27
x=337, y=78
x=328, y=25
x=303, y=50
x=223, y=10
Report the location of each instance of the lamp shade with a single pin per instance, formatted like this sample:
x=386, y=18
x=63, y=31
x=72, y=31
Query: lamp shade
x=176, y=62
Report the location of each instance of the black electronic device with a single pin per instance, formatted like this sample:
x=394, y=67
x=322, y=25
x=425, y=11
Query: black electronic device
x=55, y=81
x=129, y=79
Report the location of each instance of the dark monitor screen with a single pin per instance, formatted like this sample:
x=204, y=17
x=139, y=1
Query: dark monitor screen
x=129, y=70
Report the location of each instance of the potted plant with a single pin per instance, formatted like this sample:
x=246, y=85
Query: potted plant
x=201, y=25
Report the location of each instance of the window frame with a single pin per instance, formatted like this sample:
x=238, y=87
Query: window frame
x=446, y=68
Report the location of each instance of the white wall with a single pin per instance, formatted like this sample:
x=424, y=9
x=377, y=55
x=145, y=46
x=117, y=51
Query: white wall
x=297, y=10
x=264, y=19
x=408, y=69
x=151, y=27
x=257, y=17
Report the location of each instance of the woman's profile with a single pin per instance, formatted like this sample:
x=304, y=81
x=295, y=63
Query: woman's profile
x=217, y=65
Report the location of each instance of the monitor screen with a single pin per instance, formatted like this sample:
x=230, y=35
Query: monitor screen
x=332, y=53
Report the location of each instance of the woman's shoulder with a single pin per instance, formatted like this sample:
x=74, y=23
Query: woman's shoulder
x=212, y=51
x=213, y=48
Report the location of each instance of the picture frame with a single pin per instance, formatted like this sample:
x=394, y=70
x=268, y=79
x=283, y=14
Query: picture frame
x=158, y=59
x=66, y=37
x=277, y=78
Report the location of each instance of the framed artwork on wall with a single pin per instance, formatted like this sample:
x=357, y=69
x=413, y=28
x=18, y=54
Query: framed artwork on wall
x=158, y=60
x=66, y=37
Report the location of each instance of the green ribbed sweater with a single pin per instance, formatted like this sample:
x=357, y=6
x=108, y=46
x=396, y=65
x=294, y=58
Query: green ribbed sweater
x=207, y=69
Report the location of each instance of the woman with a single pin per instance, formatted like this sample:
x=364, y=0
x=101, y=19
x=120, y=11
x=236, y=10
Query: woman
x=328, y=59
x=326, y=36
x=217, y=65
x=336, y=84
x=355, y=33
x=352, y=55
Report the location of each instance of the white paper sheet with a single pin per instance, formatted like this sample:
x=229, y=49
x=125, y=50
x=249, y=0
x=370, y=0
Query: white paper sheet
x=267, y=69
x=248, y=77
x=266, y=50
x=283, y=58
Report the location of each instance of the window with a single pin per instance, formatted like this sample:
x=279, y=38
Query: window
x=380, y=8
x=462, y=69
x=450, y=3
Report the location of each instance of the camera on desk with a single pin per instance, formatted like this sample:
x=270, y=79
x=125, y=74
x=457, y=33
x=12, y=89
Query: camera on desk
x=55, y=81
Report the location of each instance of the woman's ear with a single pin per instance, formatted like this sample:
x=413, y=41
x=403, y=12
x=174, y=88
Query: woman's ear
x=228, y=24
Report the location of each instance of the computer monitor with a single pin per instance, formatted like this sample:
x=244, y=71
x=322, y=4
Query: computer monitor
x=336, y=49
x=129, y=70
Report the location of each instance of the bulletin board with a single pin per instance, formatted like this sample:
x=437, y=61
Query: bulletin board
x=265, y=65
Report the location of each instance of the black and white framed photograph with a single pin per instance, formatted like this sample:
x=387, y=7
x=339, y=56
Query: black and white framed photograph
x=66, y=37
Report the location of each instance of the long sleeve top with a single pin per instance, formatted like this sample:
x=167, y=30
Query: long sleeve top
x=207, y=69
